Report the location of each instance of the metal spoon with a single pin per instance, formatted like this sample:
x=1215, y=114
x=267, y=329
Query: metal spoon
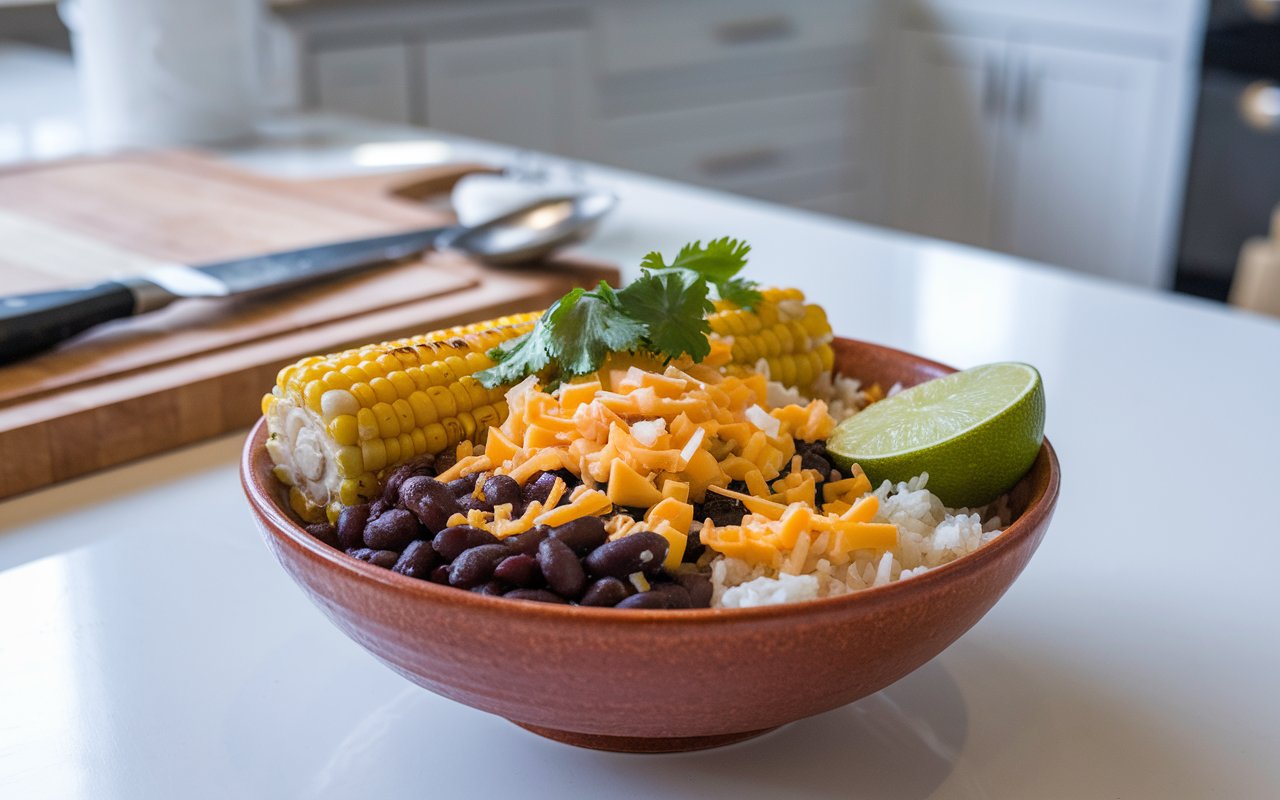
x=30, y=323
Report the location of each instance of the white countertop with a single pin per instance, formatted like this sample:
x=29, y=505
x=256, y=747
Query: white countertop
x=151, y=648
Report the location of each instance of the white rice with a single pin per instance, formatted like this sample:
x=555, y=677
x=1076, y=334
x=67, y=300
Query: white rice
x=929, y=533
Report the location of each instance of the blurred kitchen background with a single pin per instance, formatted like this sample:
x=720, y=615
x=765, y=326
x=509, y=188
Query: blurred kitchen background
x=1137, y=140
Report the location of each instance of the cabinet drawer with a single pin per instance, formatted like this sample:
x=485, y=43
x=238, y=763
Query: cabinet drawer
x=722, y=145
x=370, y=81
x=802, y=188
x=674, y=33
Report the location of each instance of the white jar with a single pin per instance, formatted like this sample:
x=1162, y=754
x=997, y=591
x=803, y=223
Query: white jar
x=157, y=73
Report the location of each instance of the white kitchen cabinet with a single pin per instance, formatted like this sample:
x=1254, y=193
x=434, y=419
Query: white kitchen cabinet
x=1076, y=161
x=947, y=136
x=526, y=89
x=1058, y=154
x=367, y=81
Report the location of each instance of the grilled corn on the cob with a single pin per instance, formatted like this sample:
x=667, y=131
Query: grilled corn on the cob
x=335, y=421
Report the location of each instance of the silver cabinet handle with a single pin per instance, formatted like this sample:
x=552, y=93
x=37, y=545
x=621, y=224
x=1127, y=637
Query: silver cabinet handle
x=754, y=29
x=740, y=161
x=992, y=87
x=1259, y=106
x=1027, y=79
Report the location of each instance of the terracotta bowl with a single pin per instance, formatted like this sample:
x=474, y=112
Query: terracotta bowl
x=658, y=681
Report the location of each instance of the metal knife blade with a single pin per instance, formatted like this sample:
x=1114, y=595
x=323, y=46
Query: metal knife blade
x=290, y=267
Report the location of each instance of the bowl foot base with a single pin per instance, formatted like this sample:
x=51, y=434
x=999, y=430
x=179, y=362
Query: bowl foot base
x=642, y=744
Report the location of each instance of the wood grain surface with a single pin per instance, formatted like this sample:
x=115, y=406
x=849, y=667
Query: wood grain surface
x=199, y=368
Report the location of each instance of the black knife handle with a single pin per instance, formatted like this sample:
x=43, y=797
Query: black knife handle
x=30, y=323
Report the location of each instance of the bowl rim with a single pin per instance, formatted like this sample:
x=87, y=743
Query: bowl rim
x=291, y=533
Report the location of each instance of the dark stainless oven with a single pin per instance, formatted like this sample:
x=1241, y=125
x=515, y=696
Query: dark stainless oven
x=1233, y=184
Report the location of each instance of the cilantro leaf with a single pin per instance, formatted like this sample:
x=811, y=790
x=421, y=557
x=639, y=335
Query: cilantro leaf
x=739, y=291
x=516, y=358
x=584, y=327
x=719, y=261
x=673, y=304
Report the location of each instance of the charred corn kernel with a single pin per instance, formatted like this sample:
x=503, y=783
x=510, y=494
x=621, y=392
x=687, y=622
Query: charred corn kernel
x=339, y=419
x=486, y=417
x=469, y=426
x=477, y=394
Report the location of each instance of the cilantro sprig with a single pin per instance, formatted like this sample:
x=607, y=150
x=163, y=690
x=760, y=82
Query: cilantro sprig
x=663, y=313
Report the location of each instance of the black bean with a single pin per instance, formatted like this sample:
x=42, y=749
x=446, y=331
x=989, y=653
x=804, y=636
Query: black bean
x=813, y=460
x=528, y=541
x=429, y=500
x=422, y=465
x=539, y=487
x=325, y=533
x=536, y=595
x=677, y=596
x=451, y=542
x=699, y=588
x=393, y=530
x=644, y=600
x=605, y=592
x=475, y=566
x=440, y=574
x=351, y=522
x=377, y=507
x=583, y=534
x=721, y=510
x=379, y=558
x=636, y=552
x=693, y=548
x=493, y=588
x=518, y=570
x=501, y=489
x=464, y=485
x=445, y=460
x=562, y=569
x=571, y=481
x=417, y=560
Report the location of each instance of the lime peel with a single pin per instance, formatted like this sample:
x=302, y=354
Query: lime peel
x=975, y=432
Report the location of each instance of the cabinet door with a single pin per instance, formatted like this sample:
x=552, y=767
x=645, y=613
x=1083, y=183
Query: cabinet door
x=1078, y=162
x=946, y=135
x=369, y=81
x=524, y=89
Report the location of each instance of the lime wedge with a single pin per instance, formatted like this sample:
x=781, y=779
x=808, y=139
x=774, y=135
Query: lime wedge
x=975, y=432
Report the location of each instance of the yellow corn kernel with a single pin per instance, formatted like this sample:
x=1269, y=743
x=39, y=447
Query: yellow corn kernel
x=344, y=430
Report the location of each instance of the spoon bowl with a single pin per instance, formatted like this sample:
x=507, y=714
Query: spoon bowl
x=534, y=231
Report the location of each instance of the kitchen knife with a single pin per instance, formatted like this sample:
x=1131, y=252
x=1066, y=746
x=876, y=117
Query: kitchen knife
x=30, y=323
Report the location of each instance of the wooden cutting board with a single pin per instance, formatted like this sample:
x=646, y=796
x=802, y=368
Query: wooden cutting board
x=200, y=367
